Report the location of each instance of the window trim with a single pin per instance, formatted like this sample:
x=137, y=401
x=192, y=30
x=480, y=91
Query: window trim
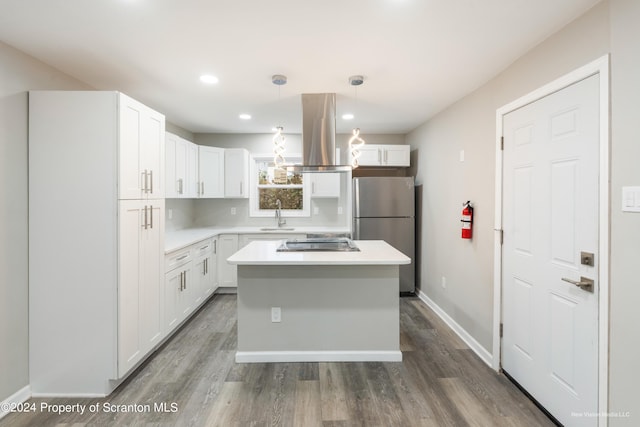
x=254, y=194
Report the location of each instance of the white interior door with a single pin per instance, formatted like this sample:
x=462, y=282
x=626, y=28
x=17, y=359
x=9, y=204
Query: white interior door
x=550, y=216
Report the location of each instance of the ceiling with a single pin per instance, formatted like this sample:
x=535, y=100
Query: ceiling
x=416, y=56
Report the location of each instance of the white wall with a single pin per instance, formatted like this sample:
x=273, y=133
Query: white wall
x=469, y=125
x=625, y=227
x=18, y=74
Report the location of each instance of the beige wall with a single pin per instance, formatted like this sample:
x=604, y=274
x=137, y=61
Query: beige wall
x=18, y=74
x=625, y=227
x=469, y=125
x=610, y=27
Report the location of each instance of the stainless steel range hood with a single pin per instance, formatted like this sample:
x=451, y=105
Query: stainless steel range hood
x=319, y=136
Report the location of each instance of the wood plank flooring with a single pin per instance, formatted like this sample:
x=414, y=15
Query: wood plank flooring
x=439, y=383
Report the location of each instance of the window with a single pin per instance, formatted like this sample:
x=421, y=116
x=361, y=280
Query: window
x=270, y=184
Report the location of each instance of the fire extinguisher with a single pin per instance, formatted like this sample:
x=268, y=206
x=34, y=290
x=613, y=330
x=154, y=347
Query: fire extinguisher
x=467, y=220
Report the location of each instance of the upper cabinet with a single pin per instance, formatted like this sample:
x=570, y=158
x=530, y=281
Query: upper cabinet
x=236, y=173
x=385, y=155
x=141, y=150
x=326, y=184
x=181, y=167
x=211, y=170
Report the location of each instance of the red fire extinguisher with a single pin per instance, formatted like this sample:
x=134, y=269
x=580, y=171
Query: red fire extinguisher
x=467, y=220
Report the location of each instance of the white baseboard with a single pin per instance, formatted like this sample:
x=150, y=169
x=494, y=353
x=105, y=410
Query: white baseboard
x=20, y=396
x=317, y=356
x=459, y=330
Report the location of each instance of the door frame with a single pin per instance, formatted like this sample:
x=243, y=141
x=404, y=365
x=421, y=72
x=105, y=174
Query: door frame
x=599, y=66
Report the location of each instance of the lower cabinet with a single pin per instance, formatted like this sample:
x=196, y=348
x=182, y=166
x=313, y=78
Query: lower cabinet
x=190, y=279
x=227, y=273
x=141, y=233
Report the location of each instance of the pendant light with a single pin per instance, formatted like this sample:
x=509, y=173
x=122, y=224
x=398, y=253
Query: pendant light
x=278, y=138
x=355, y=142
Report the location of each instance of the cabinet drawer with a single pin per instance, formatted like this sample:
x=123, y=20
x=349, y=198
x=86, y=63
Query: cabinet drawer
x=202, y=248
x=175, y=259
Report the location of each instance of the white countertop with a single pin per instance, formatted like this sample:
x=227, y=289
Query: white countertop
x=178, y=239
x=371, y=252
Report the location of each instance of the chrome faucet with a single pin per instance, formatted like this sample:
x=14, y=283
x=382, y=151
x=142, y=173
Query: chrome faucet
x=281, y=221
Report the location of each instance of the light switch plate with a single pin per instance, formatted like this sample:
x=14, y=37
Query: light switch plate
x=276, y=315
x=233, y=211
x=630, y=199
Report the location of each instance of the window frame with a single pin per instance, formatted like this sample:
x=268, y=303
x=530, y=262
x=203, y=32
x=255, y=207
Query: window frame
x=254, y=194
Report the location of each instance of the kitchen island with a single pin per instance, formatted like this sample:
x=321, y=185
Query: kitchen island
x=318, y=306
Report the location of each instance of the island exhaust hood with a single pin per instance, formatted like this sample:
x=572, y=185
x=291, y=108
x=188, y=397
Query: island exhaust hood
x=319, y=136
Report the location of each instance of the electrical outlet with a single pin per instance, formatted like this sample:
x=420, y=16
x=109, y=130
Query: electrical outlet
x=276, y=315
x=233, y=211
x=339, y=210
x=316, y=210
x=444, y=282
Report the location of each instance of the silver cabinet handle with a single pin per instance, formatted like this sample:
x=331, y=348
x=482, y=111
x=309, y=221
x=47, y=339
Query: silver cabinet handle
x=204, y=247
x=386, y=160
x=151, y=214
x=180, y=281
x=379, y=156
x=313, y=188
x=146, y=219
x=182, y=257
x=185, y=279
x=240, y=187
x=585, y=283
x=151, y=181
x=180, y=186
x=215, y=246
x=144, y=181
x=204, y=267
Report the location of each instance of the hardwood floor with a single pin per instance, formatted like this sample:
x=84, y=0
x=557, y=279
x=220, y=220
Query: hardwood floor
x=439, y=383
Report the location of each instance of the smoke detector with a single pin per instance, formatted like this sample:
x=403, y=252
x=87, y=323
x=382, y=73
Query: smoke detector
x=356, y=80
x=279, y=79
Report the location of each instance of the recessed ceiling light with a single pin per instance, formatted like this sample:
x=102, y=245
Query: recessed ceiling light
x=245, y=116
x=208, y=79
x=347, y=116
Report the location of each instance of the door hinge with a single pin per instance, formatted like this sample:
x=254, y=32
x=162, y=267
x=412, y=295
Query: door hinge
x=502, y=143
x=501, y=329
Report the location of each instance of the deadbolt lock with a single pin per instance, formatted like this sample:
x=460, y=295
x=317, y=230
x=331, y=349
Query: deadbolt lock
x=586, y=258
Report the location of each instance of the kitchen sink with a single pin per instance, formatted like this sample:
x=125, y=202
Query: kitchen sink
x=277, y=229
x=340, y=244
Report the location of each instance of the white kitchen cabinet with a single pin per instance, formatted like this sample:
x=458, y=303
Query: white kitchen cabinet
x=181, y=168
x=227, y=273
x=94, y=269
x=140, y=232
x=326, y=184
x=211, y=170
x=191, y=180
x=203, y=275
x=236, y=173
x=385, y=155
x=176, y=302
x=141, y=150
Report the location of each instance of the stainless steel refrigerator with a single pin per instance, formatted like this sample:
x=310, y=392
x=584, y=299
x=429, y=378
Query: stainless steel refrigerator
x=384, y=209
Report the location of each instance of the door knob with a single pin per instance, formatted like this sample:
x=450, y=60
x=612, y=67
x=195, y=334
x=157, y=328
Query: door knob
x=585, y=283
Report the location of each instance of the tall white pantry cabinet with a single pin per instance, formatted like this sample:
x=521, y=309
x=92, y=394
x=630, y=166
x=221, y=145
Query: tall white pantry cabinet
x=96, y=239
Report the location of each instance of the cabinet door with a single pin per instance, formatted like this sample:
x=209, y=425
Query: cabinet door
x=152, y=153
x=325, y=184
x=212, y=267
x=130, y=180
x=140, y=258
x=397, y=155
x=131, y=220
x=151, y=274
x=370, y=155
x=191, y=178
x=172, y=291
x=227, y=273
x=211, y=167
x=236, y=176
x=171, y=187
x=140, y=150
